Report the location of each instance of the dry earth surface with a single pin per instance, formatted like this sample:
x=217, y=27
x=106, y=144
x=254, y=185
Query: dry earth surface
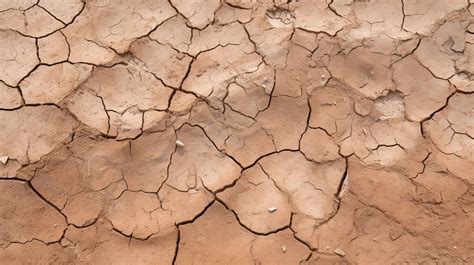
x=236, y=132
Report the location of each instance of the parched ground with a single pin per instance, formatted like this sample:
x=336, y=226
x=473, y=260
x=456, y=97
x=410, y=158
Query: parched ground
x=236, y=132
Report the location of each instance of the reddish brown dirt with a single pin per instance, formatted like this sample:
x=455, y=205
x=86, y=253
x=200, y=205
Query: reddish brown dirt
x=236, y=132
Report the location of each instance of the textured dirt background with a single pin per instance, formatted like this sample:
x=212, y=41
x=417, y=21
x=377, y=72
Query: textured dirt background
x=236, y=132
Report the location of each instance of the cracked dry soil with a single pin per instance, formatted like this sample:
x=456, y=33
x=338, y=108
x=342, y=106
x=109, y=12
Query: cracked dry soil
x=236, y=132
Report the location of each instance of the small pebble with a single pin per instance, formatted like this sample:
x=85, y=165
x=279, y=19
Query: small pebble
x=340, y=252
x=283, y=248
x=179, y=143
x=272, y=209
x=4, y=159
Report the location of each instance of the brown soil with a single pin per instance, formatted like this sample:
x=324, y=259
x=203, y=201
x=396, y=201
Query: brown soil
x=236, y=132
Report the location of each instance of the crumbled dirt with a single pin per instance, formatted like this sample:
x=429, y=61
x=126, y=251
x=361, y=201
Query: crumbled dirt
x=237, y=132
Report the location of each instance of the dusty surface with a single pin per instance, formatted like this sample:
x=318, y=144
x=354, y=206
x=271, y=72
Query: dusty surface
x=236, y=132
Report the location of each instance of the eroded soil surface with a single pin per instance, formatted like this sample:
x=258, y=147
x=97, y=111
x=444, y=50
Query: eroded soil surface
x=236, y=132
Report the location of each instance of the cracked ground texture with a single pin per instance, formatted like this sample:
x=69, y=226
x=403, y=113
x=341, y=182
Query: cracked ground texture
x=236, y=132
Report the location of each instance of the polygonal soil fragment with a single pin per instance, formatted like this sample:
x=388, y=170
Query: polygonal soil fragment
x=279, y=248
x=300, y=75
x=285, y=120
x=103, y=161
x=11, y=97
x=422, y=92
x=438, y=185
x=138, y=214
x=99, y=25
x=435, y=58
x=311, y=186
x=174, y=32
x=375, y=17
x=387, y=191
x=64, y=12
x=211, y=71
x=452, y=129
x=122, y=87
x=198, y=160
x=363, y=70
x=329, y=235
x=258, y=202
x=34, y=22
x=198, y=12
x=36, y=252
x=31, y=132
x=383, y=142
x=317, y=17
x=109, y=246
x=421, y=16
x=50, y=84
x=167, y=64
x=465, y=63
x=328, y=106
x=218, y=126
x=17, y=56
x=25, y=216
x=83, y=209
x=248, y=144
x=20, y=5
x=150, y=157
x=271, y=41
x=185, y=205
x=90, y=110
x=207, y=240
x=318, y=146
x=127, y=125
x=217, y=35
x=182, y=102
x=60, y=178
x=53, y=48
x=250, y=94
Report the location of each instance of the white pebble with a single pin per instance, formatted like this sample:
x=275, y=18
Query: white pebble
x=179, y=143
x=272, y=209
x=340, y=252
x=3, y=159
x=283, y=248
